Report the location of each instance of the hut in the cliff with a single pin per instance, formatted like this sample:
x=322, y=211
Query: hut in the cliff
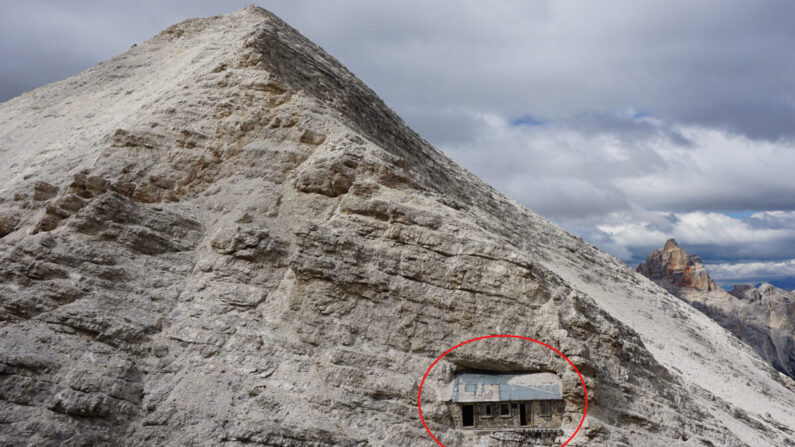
x=491, y=401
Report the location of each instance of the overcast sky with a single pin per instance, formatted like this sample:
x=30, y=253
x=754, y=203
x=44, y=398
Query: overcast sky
x=625, y=122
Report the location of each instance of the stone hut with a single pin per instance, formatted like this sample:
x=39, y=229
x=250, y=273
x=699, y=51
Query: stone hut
x=487, y=401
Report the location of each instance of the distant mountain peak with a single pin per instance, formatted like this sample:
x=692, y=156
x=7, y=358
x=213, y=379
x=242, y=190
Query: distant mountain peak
x=670, y=244
x=762, y=315
x=674, y=268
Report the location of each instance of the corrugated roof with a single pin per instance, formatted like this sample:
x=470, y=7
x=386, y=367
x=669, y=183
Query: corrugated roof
x=506, y=387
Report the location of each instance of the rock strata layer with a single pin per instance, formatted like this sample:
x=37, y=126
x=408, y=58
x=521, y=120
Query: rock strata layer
x=222, y=237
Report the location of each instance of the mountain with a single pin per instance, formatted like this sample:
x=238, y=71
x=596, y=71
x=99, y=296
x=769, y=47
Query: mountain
x=763, y=317
x=223, y=237
x=674, y=269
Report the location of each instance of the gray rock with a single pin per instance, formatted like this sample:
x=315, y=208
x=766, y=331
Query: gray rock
x=244, y=245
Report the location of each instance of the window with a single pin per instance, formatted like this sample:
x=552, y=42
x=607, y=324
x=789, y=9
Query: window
x=485, y=411
x=505, y=410
x=546, y=409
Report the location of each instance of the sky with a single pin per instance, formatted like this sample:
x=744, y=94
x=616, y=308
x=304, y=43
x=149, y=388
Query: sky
x=624, y=122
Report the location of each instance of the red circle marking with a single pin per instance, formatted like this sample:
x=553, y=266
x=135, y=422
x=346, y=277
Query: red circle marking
x=419, y=394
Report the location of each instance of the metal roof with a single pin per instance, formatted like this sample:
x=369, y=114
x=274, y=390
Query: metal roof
x=506, y=387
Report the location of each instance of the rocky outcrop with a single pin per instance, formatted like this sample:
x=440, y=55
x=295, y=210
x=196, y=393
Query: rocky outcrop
x=767, y=314
x=762, y=317
x=222, y=237
x=673, y=268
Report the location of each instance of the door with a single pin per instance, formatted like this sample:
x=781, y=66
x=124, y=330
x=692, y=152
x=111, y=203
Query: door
x=525, y=414
x=468, y=415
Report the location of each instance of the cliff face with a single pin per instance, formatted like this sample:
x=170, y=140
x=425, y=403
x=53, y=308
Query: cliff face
x=762, y=317
x=222, y=237
x=766, y=317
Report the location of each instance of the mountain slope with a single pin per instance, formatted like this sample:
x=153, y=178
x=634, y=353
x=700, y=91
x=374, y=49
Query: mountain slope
x=762, y=317
x=223, y=237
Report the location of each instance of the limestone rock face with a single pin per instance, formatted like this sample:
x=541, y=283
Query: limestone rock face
x=762, y=317
x=767, y=319
x=222, y=237
x=672, y=267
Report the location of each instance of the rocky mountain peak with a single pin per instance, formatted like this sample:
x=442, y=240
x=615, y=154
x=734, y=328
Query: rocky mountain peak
x=222, y=237
x=673, y=267
x=670, y=244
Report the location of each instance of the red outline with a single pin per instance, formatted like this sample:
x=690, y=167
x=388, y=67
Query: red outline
x=419, y=394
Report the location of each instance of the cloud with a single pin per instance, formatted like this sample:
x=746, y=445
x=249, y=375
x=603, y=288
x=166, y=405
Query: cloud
x=752, y=271
x=574, y=168
x=553, y=169
x=714, y=236
x=719, y=170
x=717, y=64
x=716, y=228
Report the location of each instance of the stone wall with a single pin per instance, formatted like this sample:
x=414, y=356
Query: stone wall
x=539, y=418
x=547, y=419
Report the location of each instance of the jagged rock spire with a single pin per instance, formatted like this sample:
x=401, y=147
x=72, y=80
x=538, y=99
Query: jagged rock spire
x=673, y=267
